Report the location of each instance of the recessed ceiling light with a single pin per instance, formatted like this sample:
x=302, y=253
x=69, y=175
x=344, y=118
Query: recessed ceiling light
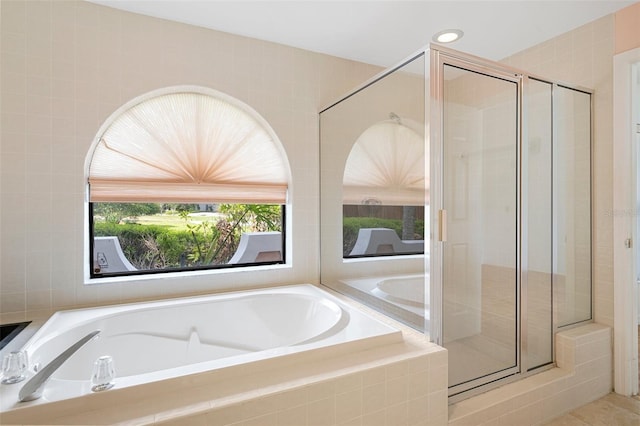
x=447, y=36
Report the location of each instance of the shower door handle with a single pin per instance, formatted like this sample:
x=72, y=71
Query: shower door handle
x=442, y=225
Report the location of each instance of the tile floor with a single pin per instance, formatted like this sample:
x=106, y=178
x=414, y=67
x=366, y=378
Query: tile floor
x=611, y=410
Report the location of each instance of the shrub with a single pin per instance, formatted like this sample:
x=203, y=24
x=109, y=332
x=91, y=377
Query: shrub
x=201, y=243
x=147, y=246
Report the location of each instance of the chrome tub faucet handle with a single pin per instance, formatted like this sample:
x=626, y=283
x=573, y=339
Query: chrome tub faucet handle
x=35, y=386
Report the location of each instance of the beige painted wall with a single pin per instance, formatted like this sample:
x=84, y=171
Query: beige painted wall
x=628, y=28
x=66, y=66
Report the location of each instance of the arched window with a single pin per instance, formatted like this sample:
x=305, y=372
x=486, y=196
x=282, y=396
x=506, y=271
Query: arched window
x=185, y=178
x=384, y=191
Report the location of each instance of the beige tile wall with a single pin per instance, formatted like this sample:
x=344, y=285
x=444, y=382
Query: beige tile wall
x=584, y=357
x=584, y=57
x=65, y=67
x=395, y=395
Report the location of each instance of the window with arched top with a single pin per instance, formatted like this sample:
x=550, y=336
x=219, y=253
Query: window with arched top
x=384, y=190
x=185, y=178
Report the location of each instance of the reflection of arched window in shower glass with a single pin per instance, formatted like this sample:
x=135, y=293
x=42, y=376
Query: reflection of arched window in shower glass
x=395, y=285
x=384, y=190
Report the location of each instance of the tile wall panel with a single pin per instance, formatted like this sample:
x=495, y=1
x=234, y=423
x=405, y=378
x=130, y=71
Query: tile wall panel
x=584, y=57
x=66, y=66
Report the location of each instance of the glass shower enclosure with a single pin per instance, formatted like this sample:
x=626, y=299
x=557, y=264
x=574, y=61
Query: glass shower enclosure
x=495, y=255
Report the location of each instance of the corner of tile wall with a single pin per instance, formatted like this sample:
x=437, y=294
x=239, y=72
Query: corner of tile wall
x=583, y=374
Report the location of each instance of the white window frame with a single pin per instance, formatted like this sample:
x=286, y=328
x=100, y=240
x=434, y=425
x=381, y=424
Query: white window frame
x=287, y=225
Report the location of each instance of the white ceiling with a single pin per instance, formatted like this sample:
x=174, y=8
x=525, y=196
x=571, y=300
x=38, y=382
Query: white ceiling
x=383, y=32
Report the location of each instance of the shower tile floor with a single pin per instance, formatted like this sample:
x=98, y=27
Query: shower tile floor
x=611, y=410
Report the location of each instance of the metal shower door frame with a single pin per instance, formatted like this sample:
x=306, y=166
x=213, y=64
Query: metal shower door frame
x=439, y=58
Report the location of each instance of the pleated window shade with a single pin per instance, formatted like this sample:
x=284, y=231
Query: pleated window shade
x=386, y=165
x=188, y=147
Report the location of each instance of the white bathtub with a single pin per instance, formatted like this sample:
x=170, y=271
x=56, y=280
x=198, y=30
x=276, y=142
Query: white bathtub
x=154, y=341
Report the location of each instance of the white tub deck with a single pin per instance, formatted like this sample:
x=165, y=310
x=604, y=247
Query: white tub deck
x=157, y=341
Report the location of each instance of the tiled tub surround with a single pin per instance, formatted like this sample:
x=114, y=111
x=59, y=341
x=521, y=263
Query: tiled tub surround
x=399, y=384
x=160, y=340
x=394, y=382
x=584, y=374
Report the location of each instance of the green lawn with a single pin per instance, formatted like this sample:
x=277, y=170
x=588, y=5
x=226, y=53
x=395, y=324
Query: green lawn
x=174, y=221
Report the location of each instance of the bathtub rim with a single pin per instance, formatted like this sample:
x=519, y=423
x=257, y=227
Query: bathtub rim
x=110, y=311
x=275, y=356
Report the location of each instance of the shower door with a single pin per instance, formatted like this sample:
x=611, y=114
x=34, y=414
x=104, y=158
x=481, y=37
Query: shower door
x=478, y=222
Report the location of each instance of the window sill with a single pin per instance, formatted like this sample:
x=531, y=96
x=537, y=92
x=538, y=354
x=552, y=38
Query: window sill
x=383, y=258
x=184, y=274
